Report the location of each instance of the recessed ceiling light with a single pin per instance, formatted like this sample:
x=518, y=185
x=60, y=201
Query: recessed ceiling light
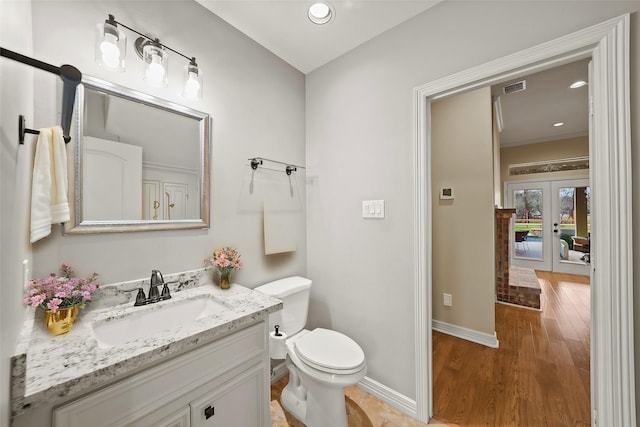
x=577, y=84
x=558, y=124
x=320, y=13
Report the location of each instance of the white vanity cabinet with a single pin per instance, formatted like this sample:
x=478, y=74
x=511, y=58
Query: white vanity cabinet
x=224, y=383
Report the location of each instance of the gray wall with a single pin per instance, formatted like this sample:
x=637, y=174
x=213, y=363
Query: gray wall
x=255, y=99
x=258, y=109
x=359, y=138
x=16, y=97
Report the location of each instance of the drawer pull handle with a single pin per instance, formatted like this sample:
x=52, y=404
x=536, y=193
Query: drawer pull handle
x=209, y=412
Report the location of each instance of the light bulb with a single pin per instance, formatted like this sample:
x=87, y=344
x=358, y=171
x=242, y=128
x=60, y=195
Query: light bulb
x=319, y=10
x=192, y=81
x=110, y=51
x=156, y=70
x=192, y=86
x=320, y=13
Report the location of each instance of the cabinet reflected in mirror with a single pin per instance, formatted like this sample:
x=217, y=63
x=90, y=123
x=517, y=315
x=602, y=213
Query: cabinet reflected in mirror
x=141, y=163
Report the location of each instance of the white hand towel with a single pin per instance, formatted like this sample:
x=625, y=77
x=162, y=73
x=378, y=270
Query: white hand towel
x=59, y=184
x=49, y=203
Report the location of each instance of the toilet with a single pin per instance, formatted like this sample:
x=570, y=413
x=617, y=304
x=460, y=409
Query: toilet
x=321, y=362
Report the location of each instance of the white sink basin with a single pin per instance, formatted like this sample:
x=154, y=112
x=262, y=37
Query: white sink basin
x=145, y=321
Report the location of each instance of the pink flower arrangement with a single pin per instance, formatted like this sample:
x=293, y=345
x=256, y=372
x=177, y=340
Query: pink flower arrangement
x=56, y=292
x=225, y=259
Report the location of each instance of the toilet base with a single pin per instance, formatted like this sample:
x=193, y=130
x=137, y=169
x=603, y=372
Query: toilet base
x=313, y=403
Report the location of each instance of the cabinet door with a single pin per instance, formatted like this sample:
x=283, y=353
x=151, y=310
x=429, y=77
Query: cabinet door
x=240, y=402
x=165, y=417
x=164, y=390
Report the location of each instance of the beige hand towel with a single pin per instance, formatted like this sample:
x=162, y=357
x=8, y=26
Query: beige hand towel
x=49, y=203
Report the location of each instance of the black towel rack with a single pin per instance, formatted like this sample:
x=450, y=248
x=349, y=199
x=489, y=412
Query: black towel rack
x=70, y=76
x=22, y=129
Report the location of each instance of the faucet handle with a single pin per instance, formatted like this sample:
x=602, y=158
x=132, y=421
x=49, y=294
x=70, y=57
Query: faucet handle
x=165, y=292
x=140, y=298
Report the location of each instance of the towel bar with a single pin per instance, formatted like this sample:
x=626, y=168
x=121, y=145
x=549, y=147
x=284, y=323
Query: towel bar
x=257, y=161
x=22, y=130
x=70, y=76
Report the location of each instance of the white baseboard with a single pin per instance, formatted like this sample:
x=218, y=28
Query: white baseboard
x=399, y=401
x=466, y=334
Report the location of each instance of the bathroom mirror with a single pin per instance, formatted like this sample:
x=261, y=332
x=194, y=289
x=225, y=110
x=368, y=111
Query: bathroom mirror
x=140, y=163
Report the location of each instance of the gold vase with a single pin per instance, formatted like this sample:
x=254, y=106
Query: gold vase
x=61, y=321
x=225, y=282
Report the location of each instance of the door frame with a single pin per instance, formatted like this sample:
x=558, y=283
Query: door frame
x=612, y=343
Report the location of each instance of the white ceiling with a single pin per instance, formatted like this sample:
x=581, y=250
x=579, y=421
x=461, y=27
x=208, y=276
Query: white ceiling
x=529, y=115
x=283, y=27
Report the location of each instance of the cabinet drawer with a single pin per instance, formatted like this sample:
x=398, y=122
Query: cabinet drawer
x=165, y=384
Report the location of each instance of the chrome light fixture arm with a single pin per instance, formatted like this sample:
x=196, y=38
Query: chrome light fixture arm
x=113, y=20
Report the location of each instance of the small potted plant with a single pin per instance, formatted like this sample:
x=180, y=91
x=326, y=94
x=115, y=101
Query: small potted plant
x=61, y=297
x=225, y=259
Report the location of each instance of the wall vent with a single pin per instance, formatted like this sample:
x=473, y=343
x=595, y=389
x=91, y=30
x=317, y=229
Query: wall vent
x=514, y=87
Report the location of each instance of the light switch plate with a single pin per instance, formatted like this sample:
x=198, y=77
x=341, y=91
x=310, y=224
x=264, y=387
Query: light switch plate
x=373, y=209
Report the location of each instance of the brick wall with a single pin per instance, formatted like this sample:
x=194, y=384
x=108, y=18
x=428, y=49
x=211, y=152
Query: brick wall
x=503, y=218
x=513, y=285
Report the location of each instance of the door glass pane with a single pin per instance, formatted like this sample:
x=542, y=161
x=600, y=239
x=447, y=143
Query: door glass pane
x=528, y=235
x=574, y=224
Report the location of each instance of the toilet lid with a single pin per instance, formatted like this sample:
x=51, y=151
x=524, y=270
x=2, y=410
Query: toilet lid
x=327, y=349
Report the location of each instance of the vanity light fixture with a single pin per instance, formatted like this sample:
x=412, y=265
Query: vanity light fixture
x=577, y=84
x=111, y=49
x=321, y=13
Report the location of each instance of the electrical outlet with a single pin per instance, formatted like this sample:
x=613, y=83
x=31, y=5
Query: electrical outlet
x=447, y=300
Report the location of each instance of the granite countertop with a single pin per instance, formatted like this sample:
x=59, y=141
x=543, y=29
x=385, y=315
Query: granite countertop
x=49, y=368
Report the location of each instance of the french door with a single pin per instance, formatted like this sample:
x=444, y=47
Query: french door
x=552, y=225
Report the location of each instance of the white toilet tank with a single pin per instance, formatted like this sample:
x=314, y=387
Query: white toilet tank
x=294, y=293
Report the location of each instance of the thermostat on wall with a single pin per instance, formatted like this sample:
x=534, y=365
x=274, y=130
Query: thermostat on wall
x=446, y=193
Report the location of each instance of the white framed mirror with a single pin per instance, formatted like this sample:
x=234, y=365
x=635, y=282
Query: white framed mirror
x=140, y=163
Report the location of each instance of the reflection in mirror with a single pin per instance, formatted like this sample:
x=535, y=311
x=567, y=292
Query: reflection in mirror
x=141, y=163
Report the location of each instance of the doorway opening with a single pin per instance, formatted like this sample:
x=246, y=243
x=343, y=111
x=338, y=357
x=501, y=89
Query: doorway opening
x=612, y=350
x=467, y=221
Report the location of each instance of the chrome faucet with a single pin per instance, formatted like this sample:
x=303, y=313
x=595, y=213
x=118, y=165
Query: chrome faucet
x=154, y=293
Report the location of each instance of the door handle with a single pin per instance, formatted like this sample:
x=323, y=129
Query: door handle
x=555, y=227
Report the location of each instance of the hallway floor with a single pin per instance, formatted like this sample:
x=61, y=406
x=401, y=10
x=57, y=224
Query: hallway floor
x=540, y=374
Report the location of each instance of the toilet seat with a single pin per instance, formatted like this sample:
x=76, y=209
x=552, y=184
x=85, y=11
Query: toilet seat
x=329, y=351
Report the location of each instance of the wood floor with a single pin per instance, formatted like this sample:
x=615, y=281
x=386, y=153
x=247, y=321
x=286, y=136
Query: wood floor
x=538, y=377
